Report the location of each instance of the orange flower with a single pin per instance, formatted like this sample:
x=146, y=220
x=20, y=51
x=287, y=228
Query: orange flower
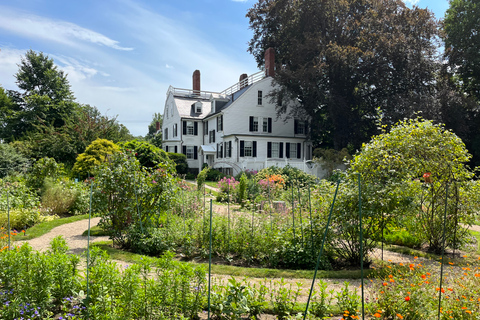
x=377, y=315
x=424, y=276
x=407, y=298
x=399, y=316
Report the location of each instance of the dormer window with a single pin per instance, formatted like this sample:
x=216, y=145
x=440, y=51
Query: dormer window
x=197, y=107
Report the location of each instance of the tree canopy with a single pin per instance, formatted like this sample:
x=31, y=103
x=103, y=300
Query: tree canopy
x=462, y=43
x=348, y=62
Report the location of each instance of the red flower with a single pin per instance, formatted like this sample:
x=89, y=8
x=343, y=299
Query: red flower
x=407, y=298
x=426, y=175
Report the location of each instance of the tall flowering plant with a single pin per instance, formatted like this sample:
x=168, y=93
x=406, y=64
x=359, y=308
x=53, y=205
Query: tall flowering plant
x=272, y=184
x=226, y=187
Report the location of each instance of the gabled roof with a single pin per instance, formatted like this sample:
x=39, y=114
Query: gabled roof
x=184, y=107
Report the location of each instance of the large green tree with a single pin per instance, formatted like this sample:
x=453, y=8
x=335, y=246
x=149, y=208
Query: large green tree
x=348, y=62
x=45, y=97
x=153, y=136
x=462, y=43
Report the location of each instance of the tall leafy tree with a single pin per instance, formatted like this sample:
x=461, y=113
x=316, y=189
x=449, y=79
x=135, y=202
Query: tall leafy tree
x=348, y=63
x=462, y=43
x=45, y=97
x=153, y=136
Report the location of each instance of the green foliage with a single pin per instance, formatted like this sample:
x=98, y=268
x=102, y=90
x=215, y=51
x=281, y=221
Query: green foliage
x=62, y=197
x=242, y=190
x=340, y=61
x=48, y=286
x=393, y=163
x=11, y=161
x=180, y=161
x=331, y=159
x=19, y=195
x=95, y=154
x=147, y=154
x=128, y=195
x=153, y=136
x=461, y=26
x=42, y=169
x=202, y=177
x=291, y=176
x=237, y=300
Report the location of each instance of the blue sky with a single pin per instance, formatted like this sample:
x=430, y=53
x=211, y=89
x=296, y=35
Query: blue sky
x=122, y=55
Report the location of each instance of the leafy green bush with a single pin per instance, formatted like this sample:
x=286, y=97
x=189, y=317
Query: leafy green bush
x=180, y=160
x=44, y=168
x=95, y=154
x=402, y=237
x=19, y=195
x=214, y=175
x=201, y=177
x=20, y=218
x=11, y=161
x=65, y=197
x=127, y=194
x=147, y=154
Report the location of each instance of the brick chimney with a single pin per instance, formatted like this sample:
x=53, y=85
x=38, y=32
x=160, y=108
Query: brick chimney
x=157, y=126
x=196, y=82
x=270, y=62
x=243, y=80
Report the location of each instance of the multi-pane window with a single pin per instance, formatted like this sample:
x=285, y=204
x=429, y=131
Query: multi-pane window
x=248, y=149
x=220, y=123
x=260, y=97
x=190, y=128
x=300, y=127
x=166, y=134
x=211, y=136
x=293, y=150
x=275, y=149
x=190, y=152
x=265, y=124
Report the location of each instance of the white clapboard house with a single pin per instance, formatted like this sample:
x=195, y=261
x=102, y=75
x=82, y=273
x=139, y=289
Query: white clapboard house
x=236, y=129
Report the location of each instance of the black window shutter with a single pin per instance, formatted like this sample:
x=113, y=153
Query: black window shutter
x=269, y=149
x=224, y=149
x=184, y=123
x=221, y=124
x=206, y=127
x=229, y=148
x=269, y=125
x=184, y=150
x=218, y=123
x=176, y=149
x=195, y=152
x=251, y=124
x=195, y=128
x=287, y=150
x=299, y=150
x=166, y=148
x=295, y=127
x=254, y=148
x=280, y=153
x=242, y=148
x=213, y=134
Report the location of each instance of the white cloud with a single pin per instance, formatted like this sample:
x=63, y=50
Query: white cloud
x=168, y=66
x=37, y=27
x=9, y=58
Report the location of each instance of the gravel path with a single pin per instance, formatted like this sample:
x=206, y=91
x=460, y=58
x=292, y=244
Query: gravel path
x=72, y=232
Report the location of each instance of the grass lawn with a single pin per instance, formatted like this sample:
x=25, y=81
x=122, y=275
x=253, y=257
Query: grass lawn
x=44, y=227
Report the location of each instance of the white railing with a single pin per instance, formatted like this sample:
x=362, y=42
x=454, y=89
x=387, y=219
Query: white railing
x=244, y=83
x=192, y=93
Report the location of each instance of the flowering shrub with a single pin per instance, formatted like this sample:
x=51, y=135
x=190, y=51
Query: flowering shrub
x=412, y=292
x=272, y=184
x=226, y=187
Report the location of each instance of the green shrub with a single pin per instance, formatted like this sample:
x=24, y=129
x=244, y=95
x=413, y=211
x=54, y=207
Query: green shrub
x=201, y=177
x=20, y=218
x=291, y=175
x=126, y=194
x=44, y=168
x=19, y=195
x=95, y=154
x=11, y=161
x=147, y=154
x=65, y=197
x=180, y=160
x=214, y=175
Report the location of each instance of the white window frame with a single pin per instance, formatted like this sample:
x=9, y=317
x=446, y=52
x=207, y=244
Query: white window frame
x=260, y=98
x=190, y=152
x=265, y=124
x=301, y=127
x=293, y=151
x=190, y=128
x=275, y=149
x=255, y=124
x=248, y=149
